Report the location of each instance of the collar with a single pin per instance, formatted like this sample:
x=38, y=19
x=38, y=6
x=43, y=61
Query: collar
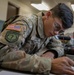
x=40, y=25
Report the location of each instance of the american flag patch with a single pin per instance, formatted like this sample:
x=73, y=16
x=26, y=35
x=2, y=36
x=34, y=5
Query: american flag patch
x=14, y=27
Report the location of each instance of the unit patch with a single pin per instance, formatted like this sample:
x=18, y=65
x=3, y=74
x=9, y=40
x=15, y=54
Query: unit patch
x=12, y=36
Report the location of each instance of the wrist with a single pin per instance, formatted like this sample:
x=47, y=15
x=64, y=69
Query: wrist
x=48, y=55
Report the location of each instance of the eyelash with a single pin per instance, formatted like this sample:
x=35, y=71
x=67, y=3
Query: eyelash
x=57, y=28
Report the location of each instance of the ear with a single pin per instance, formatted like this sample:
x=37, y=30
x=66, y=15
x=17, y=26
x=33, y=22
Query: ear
x=48, y=14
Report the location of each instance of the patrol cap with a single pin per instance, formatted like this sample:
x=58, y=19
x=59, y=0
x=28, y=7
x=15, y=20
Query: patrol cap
x=65, y=13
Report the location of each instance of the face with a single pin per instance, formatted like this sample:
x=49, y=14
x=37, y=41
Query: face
x=52, y=25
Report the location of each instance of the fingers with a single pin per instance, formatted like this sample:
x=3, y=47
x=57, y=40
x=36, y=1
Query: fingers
x=67, y=61
x=71, y=62
x=62, y=65
x=69, y=71
x=66, y=64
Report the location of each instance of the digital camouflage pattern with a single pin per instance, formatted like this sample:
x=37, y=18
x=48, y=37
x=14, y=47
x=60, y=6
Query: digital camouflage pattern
x=23, y=42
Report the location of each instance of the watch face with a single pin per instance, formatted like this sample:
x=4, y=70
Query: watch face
x=12, y=36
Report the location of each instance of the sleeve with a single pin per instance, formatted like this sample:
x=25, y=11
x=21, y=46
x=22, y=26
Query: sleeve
x=14, y=34
x=56, y=47
x=11, y=57
x=20, y=61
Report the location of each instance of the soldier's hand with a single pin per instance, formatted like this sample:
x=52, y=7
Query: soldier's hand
x=62, y=65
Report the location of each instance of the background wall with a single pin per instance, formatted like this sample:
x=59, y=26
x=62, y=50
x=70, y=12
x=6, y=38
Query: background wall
x=3, y=9
x=24, y=9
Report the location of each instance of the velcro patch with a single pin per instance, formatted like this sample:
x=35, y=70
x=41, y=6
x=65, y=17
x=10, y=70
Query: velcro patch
x=12, y=36
x=14, y=27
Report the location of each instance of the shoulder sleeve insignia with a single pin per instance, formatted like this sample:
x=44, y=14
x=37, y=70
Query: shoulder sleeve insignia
x=12, y=36
x=14, y=27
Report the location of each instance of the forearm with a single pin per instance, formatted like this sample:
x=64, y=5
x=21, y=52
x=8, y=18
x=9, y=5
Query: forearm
x=27, y=63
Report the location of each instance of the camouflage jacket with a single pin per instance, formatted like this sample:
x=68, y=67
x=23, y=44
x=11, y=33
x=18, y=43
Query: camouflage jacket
x=23, y=41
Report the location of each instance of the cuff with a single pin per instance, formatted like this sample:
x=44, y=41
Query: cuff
x=41, y=64
x=58, y=52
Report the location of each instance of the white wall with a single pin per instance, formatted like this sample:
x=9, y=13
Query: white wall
x=3, y=9
x=24, y=9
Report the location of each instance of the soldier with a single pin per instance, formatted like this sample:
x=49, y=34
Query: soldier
x=24, y=40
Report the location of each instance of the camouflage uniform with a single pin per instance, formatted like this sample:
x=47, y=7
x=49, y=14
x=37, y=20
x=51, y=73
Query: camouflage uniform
x=23, y=42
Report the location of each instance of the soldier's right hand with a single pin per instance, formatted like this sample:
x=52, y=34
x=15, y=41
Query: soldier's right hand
x=62, y=65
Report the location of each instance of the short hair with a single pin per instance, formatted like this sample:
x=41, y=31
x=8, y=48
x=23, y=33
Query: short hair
x=65, y=13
